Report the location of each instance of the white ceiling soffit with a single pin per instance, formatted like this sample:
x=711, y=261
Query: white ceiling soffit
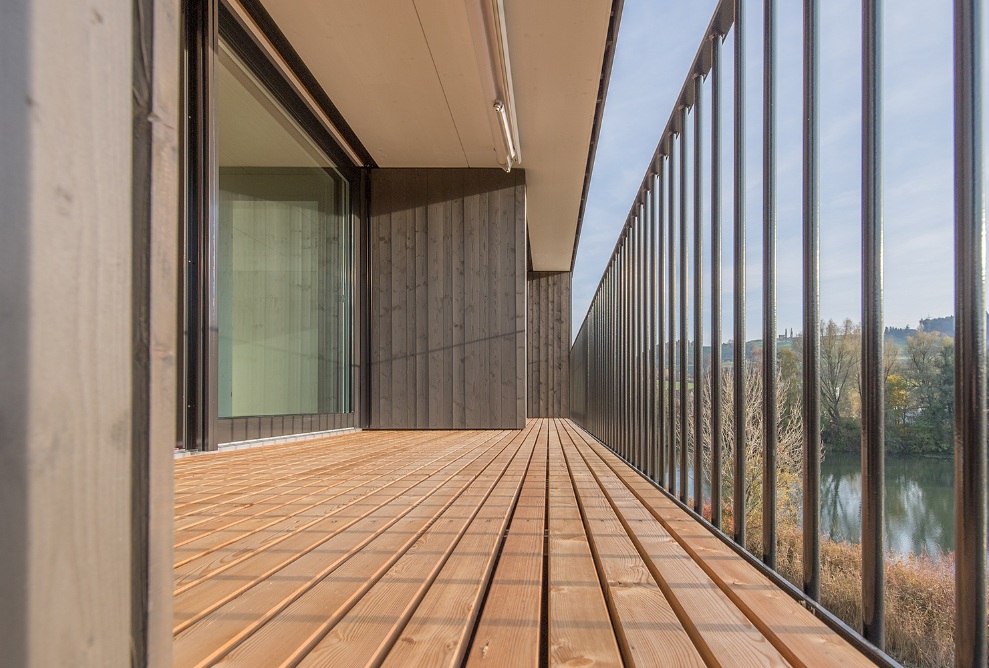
x=406, y=77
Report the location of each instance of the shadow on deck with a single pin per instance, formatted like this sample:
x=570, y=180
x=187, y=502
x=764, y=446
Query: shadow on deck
x=500, y=548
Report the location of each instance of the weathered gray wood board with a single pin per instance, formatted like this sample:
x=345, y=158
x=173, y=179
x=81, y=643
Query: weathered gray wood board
x=447, y=299
x=549, y=344
x=89, y=185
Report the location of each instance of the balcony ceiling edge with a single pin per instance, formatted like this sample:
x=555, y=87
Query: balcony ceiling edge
x=406, y=77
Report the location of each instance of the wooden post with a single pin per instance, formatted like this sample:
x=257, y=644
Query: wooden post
x=88, y=251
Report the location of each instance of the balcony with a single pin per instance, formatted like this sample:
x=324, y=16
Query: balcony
x=160, y=162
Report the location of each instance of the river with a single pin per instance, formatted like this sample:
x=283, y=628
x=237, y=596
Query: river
x=919, y=502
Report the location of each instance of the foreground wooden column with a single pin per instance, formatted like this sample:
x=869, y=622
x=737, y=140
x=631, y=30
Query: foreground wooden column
x=89, y=193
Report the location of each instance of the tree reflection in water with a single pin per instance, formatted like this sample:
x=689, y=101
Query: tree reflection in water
x=919, y=502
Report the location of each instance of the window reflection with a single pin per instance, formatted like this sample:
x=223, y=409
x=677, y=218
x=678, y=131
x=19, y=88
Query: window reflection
x=283, y=259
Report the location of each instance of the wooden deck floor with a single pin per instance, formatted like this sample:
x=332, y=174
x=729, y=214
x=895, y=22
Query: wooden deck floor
x=494, y=548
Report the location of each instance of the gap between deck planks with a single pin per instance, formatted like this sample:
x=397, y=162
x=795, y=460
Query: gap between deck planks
x=477, y=548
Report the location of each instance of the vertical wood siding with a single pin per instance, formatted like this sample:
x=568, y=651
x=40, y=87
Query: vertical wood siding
x=447, y=299
x=549, y=344
x=89, y=185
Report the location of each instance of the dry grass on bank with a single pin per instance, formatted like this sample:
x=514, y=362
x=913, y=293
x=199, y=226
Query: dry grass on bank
x=920, y=592
x=920, y=595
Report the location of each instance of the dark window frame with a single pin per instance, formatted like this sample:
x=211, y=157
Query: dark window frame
x=200, y=428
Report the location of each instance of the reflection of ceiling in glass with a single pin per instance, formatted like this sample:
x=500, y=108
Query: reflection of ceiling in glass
x=252, y=129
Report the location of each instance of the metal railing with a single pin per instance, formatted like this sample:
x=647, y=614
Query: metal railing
x=629, y=362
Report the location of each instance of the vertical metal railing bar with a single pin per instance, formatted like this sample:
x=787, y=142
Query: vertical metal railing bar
x=593, y=355
x=619, y=353
x=619, y=326
x=629, y=301
x=629, y=385
x=873, y=377
x=621, y=366
x=630, y=341
x=612, y=342
x=623, y=389
x=970, y=341
x=671, y=289
x=654, y=186
x=615, y=414
x=597, y=348
x=630, y=351
x=633, y=291
x=616, y=355
x=646, y=347
x=716, y=415
x=660, y=310
x=598, y=386
x=738, y=355
x=698, y=296
x=608, y=341
x=601, y=377
x=642, y=311
x=619, y=350
x=627, y=360
x=613, y=361
x=629, y=389
x=640, y=367
x=770, y=417
x=641, y=307
x=684, y=433
x=594, y=351
x=811, y=298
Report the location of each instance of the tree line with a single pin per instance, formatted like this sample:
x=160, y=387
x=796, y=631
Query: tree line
x=919, y=385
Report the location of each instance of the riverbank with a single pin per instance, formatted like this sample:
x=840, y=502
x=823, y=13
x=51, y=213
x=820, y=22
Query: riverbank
x=920, y=595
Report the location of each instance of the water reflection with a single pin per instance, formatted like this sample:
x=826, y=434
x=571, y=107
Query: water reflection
x=919, y=502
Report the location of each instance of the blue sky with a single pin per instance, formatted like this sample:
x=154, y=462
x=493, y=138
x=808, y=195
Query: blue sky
x=657, y=42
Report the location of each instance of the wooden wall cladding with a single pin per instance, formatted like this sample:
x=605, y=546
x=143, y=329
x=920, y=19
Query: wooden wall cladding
x=549, y=344
x=447, y=330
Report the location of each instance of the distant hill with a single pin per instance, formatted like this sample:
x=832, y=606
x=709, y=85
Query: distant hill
x=943, y=325
x=898, y=335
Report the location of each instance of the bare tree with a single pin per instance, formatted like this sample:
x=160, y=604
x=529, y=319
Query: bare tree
x=789, y=455
x=840, y=353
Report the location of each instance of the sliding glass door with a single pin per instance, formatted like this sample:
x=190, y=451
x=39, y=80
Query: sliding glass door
x=270, y=246
x=283, y=259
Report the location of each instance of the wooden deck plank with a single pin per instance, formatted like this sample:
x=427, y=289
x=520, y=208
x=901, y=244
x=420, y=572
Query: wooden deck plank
x=794, y=631
x=272, y=592
x=307, y=620
x=298, y=536
x=399, y=599
x=226, y=487
x=721, y=632
x=483, y=548
x=295, y=501
x=647, y=627
x=197, y=599
x=231, y=473
x=239, y=465
x=580, y=629
x=509, y=629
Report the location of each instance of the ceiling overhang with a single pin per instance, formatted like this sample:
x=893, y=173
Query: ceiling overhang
x=409, y=78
